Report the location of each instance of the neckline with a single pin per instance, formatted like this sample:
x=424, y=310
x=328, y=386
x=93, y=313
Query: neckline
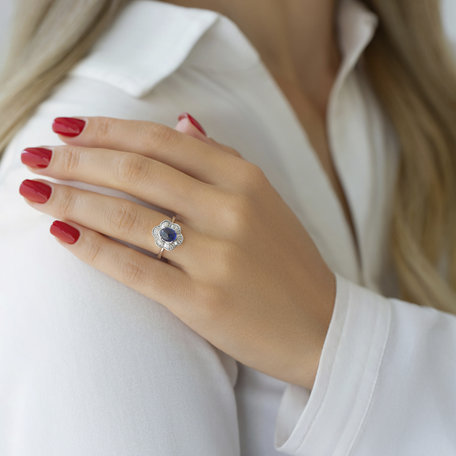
x=181, y=43
x=356, y=25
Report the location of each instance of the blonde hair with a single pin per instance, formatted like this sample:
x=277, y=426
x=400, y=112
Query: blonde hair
x=412, y=70
x=410, y=67
x=48, y=37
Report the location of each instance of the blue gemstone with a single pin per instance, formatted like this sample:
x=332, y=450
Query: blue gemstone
x=168, y=234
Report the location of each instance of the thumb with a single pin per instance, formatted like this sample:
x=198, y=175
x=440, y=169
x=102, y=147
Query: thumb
x=189, y=125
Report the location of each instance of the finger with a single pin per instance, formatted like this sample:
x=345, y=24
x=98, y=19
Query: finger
x=225, y=148
x=191, y=120
x=114, y=217
x=155, y=279
x=200, y=160
x=143, y=177
x=185, y=125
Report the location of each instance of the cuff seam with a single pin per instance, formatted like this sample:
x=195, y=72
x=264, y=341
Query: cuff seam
x=331, y=372
x=374, y=385
x=347, y=377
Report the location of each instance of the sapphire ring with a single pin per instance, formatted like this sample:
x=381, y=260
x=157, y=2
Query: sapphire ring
x=167, y=235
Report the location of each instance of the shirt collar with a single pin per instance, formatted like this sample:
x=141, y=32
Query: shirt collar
x=356, y=27
x=150, y=39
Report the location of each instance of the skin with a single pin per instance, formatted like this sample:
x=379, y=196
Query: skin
x=268, y=305
x=297, y=41
x=295, y=38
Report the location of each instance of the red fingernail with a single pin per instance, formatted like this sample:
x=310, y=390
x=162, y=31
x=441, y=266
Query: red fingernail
x=64, y=232
x=193, y=121
x=36, y=157
x=35, y=191
x=68, y=126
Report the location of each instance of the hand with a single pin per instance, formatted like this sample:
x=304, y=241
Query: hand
x=247, y=278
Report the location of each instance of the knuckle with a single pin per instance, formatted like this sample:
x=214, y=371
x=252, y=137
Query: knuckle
x=237, y=213
x=93, y=252
x=103, y=129
x=232, y=151
x=164, y=134
x=132, y=272
x=131, y=168
x=123, y=218
x=70, y=159
x=256, y=173
x=159, y=135
x=251, y=176
x=67, y=201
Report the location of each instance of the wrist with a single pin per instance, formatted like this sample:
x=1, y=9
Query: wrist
x=320, y=328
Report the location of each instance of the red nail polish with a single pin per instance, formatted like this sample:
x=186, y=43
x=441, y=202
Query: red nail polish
x=35, y=191
x=36, y=157
x=193, y=121
x=68, y=126
x=64, y=232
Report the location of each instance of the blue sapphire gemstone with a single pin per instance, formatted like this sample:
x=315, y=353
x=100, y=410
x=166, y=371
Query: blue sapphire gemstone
x=168, y=234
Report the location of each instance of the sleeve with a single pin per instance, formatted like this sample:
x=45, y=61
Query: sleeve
x=385, y=385
x=88, y=366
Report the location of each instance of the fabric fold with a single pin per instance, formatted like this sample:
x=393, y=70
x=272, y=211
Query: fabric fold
x=327, y=419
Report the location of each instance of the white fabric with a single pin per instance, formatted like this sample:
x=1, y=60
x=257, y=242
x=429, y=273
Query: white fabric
x=88, y=366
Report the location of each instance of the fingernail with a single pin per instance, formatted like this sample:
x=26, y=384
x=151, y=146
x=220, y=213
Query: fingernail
x=68, y=126
x=64, y=232
x=36, y=157
x=35, y=191
x=193, y=121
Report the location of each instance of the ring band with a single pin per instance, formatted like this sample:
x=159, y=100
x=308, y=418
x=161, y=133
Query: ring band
x=167, y=235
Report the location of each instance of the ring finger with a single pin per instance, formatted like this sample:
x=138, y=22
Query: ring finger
x=115, y=217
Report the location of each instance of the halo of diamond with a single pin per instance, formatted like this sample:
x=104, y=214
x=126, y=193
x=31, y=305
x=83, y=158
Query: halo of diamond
x=165, y=244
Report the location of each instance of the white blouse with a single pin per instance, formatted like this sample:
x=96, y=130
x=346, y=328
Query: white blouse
x=89, y=366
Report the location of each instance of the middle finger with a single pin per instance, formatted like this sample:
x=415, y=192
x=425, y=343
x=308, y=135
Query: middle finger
x=143, y=177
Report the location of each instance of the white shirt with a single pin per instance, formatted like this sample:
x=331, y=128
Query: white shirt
x=88, y=366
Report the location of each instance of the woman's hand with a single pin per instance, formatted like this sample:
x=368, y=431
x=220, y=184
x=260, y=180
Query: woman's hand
x=247, y=276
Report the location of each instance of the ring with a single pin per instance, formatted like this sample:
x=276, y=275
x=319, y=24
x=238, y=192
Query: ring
x=167, y=235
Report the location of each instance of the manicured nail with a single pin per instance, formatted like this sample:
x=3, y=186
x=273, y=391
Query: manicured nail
x=193, y=121
x=64, y=232
x=35, y=191
x=68, y=126
x=36, y=157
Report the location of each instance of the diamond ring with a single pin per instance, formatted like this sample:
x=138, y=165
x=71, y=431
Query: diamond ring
x=167, y=235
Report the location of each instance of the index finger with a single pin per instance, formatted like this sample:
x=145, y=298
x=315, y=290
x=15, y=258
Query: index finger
x=190, y=155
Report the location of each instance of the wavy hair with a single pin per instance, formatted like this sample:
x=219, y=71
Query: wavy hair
x=412, y=69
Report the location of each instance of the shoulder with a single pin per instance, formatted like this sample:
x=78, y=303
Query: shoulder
x=134, y=71
x=152, y=39
x=150, y=42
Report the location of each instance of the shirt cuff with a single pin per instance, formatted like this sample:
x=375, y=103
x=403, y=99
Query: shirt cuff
x=328, y=417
